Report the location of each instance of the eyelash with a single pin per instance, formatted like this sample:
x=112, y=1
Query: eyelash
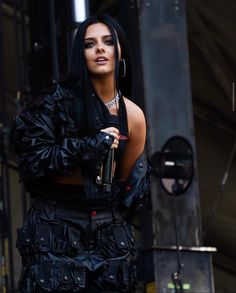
x=109, y=42
x=89, y=45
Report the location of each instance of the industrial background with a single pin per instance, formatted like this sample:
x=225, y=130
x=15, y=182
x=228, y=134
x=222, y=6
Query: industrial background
x=184, y=55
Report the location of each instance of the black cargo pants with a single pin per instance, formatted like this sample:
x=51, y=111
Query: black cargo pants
x=65, y=249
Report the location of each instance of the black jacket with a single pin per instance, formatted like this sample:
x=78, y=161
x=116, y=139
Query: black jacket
x=48, y=143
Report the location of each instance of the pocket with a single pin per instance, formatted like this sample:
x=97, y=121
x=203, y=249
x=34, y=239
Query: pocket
x=119, y=276
x=129, y=232
x=79, y=277
x=24, y=240
x=53, y=277
x=66, y=240
x=59, y=235
x=63, y=278
x=43, y=237
x=120, y=238
x=116, y=240
x=107, y=243
x=44, y=277
x=110, y=275
x=133, y=277
x=74, y=243
x=33, y=239
x=127, y=277
x=25, y=283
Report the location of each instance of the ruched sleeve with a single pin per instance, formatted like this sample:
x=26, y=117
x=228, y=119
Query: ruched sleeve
x=41, y=151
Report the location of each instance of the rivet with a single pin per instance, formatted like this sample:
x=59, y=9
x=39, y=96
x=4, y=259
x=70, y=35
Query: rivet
x=42, y=239
x=107, y=137
x=122, y=243
x=98, y=180
x=74, y=242
x=128, y=188
x=65, y=278
x=93, y=213
x=111, y=277
x=27, y=240
x=41, y=281
x=78, y=279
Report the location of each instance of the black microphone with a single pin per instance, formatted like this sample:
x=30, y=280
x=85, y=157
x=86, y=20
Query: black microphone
x=108, y=163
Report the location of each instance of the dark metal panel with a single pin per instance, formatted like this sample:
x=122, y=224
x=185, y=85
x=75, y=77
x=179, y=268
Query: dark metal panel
x=196, y=272
x=168, y=111
x=6, y=272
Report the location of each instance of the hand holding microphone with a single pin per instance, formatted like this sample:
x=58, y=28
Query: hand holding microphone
x=114, y=132
x=112, y=129
x=107, y=173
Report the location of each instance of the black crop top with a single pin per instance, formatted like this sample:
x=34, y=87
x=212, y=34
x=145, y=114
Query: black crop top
x=101, y=118
x=123, y=129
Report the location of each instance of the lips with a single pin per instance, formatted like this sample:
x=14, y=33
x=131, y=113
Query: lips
x=101, y=59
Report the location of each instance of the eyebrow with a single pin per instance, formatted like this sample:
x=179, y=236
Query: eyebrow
x=93, y=38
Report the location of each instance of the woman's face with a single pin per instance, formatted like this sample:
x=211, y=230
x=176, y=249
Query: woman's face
x=99, y=50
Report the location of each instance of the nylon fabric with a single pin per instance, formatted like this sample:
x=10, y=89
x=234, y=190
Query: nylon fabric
x=65, y=249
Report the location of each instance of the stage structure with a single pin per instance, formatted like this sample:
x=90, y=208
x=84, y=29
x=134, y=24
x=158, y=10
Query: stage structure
x=6, y=261
x=181, y=264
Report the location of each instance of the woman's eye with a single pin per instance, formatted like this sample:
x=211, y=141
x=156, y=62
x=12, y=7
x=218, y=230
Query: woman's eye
x=88, y=45
x=109, y=42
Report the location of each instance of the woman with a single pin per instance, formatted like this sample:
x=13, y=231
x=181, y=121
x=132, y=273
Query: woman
x=74, y=238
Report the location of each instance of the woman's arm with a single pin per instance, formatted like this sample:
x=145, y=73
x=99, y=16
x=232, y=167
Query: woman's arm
x=136, y=140
x=40, y=151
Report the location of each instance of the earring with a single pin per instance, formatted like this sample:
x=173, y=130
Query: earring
x=124, y=67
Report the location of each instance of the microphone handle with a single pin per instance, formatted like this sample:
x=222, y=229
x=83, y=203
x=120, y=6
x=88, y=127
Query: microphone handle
x=107, y=171
x=112, y=121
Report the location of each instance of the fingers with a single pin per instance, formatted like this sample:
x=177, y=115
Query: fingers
x=115, y=144
x=114, y=132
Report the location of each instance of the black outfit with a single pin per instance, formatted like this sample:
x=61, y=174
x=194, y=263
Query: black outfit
x=74, y=238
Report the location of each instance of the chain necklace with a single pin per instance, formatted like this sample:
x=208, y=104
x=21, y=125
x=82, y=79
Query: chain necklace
x=112, y=102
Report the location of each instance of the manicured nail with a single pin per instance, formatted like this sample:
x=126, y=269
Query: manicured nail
x=122, y=137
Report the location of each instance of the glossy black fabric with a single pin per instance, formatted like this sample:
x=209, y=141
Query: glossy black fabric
x=47, y=142
x=64, y=249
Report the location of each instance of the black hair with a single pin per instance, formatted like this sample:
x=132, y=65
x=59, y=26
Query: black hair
x=78, y=71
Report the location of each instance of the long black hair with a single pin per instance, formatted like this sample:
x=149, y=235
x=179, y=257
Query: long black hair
x=79, y=72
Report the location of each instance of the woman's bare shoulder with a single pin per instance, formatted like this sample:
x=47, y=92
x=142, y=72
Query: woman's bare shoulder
x=134, y=112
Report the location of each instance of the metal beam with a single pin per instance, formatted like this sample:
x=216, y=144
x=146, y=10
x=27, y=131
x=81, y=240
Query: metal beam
x=168, y=104
x=211, y=54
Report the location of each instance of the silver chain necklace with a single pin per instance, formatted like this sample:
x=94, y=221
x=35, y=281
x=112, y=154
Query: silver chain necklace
x=112, y=102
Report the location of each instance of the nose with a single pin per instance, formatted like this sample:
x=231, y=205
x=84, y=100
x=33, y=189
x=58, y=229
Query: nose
x=100, y=49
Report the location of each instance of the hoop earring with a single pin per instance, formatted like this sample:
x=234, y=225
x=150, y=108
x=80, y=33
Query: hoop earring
x=124, y=67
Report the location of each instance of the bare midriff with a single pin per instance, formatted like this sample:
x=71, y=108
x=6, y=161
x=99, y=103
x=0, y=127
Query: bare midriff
x=75, y=178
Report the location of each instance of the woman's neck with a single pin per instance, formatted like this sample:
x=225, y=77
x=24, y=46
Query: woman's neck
x=105, y=88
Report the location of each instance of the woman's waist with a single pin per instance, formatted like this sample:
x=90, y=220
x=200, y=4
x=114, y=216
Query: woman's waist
x=68, y=209
x=73, y=195
x=75, y=178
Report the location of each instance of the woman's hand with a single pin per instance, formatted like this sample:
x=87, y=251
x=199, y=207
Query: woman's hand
x=114, y=132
